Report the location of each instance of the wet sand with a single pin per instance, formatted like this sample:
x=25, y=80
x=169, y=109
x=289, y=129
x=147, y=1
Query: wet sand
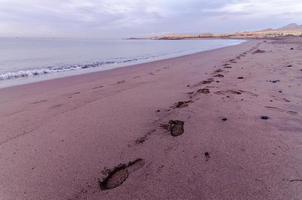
x=109, y=135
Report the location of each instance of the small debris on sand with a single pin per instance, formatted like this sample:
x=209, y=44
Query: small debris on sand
x=224, y=119
x=264, y=117
x=240, y=77
x=207, y=156
x=274, y=81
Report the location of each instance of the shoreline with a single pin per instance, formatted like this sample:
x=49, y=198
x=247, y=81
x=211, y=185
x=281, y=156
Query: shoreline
x=241, y=108
x=118, y=68
x=36, y=74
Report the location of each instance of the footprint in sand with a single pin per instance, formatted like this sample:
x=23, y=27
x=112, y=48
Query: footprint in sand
x=281, y=110
x=218, y=71
x=199, y=91
x=40, y=101
x=228, y=92
x=56, y=106
x=121, y=82
x=203, y=91
x=219, y=76
x=73, y=94
x=118, y=175
x=258, y=51
x=97, y=87
x=144, y=138
x=182, y=104
x=208, y=81
x=175, y=127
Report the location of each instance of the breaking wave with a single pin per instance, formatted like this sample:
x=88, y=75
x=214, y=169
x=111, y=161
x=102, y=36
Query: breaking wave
x=65, y=68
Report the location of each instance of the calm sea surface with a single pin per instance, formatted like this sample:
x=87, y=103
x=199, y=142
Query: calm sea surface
x=30, y=60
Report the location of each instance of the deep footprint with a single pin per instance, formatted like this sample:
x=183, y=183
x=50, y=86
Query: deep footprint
x=119, y=174
x=176, y=127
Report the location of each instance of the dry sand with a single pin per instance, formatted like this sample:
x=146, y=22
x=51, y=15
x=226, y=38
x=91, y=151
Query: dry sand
x=242, y=113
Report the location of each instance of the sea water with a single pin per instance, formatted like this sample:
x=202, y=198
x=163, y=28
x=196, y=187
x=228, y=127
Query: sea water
x=35, y=59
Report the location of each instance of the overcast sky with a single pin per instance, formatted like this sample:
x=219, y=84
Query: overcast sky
x=124, y=18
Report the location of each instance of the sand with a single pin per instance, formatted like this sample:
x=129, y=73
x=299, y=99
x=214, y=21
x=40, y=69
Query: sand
x=242, y=113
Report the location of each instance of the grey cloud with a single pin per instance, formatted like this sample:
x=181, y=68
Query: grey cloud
x=114, y=18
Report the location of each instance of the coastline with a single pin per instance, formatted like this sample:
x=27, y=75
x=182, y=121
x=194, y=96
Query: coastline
x=58, y=136
x=57, y=67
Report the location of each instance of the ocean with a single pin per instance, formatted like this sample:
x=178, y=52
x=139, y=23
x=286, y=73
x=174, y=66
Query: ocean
x=36, y=59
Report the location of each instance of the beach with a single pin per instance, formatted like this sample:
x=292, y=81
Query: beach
x=241, y=108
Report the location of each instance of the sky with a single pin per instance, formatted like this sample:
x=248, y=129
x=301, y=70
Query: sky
x=127, y=18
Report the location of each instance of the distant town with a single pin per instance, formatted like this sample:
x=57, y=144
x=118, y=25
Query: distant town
x=294, y=30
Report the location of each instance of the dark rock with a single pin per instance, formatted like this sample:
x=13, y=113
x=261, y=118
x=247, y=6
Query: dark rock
x=240, y=77
x=224, y=119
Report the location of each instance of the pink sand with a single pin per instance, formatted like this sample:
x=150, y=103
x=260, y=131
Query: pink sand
x=57, y=136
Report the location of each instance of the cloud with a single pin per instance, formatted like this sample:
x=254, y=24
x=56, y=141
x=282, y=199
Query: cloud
x=107, y=18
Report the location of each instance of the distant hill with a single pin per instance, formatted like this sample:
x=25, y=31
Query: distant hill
x=292, y=26
x=290, y=30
